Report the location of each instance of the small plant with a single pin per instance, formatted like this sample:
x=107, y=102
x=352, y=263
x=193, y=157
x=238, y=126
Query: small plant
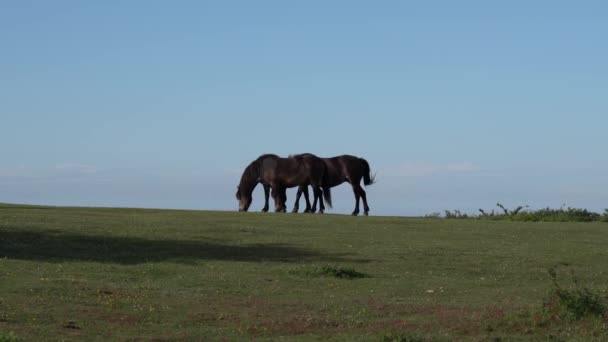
x=562, y=310
x=328, y=271
x=402, y=337
x=575, y=303
x=9, y=337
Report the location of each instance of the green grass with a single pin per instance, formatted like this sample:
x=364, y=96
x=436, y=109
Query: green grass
x=133, y=274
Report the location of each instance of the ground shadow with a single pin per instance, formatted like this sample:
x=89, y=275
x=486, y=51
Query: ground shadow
x=57, y=246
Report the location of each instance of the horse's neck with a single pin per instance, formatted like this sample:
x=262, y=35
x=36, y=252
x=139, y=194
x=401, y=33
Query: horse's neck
x=250, y=178
x=248, y=186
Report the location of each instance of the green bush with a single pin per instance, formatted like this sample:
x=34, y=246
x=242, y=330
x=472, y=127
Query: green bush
x=522, y=213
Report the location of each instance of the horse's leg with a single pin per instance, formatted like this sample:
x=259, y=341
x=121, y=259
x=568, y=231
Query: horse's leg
x=296, y=205
x=284, y=200
x=266, y=195
x=356, y=188
x=276, y=195
x=307, y=198
x=321, y=204
x=315, y=195
x=364, y=198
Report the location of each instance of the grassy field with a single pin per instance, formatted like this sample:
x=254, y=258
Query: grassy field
x=133, y=274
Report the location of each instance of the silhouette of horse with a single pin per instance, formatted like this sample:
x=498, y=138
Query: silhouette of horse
x=340, y=169
x=282, y=173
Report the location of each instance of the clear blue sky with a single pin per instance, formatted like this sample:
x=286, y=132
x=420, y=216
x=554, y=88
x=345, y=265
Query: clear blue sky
x=456, y=104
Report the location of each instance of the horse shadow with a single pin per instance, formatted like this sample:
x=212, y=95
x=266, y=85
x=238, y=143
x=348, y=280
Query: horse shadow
x=58, y=246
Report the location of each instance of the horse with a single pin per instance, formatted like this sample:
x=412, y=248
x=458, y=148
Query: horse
x=345, y=168
x=280, y=174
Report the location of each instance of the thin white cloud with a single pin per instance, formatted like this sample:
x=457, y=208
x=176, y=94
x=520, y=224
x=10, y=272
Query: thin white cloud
x=426, y=169
x=78, y=168
x=462, y=167
x=59, y=173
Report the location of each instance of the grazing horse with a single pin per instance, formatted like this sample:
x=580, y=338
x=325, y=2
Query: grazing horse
x=342, y=169
x=280, y=174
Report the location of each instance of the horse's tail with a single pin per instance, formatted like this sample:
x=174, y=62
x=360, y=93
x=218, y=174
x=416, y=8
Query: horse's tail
x=326, y=187
x=368, y=179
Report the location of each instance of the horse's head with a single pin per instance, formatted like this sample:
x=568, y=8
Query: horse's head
x=244, y=199
x=249, y=179
x=245, y=189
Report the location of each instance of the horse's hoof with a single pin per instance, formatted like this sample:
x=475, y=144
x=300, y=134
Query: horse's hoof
x=321, y=212
x=355, y=213
x=295, y=211
x=366, y=213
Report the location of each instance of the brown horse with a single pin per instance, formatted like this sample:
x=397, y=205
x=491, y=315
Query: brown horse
x=280, y=174
x=342, y=169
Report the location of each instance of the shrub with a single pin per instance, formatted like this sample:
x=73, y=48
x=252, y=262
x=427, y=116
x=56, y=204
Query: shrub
x=522, y=213
x=574, y=303
x=561, y=215
x=456, y=214
x=434, y=215
x=328, y=271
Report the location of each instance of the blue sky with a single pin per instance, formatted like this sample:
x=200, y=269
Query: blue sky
x=456, y=105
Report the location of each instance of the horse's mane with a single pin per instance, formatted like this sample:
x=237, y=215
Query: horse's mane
x=267, y=155
x=251, y=171
x=301, y=155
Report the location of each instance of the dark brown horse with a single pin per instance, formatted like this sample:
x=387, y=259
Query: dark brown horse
x=342, y=169
x=280, y=174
